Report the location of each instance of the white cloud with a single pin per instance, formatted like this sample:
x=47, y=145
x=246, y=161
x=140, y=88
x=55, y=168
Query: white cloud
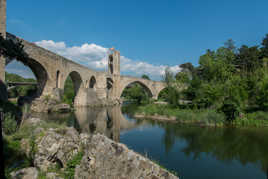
x=95, y=56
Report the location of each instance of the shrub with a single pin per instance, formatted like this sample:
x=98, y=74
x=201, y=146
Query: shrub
x=71, y=164
x=9, y=124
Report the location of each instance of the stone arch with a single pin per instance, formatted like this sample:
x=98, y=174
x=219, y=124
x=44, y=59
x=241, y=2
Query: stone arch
x=92, y=82
x=58, y=79
x=39, y=72
x=76, y=79
x=147, y=88
x=160, y=90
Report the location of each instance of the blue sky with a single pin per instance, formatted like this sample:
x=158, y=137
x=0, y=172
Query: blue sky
x=150, y=34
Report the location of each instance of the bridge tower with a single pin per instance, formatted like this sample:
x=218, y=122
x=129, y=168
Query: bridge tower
x=114, y=73
x=3, y=33
x=114, y=63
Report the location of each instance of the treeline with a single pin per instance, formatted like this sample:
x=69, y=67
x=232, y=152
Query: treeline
x=230, y=80
x=20, y=90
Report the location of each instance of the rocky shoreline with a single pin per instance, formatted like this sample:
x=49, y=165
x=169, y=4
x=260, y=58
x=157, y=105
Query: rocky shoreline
x=156, y=117
x=64, y=153
x=173, y=119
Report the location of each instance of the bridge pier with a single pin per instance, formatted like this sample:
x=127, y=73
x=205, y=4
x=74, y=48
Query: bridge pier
x=3, y=92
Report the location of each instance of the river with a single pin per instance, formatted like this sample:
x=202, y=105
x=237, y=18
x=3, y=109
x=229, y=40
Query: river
x=192, y=152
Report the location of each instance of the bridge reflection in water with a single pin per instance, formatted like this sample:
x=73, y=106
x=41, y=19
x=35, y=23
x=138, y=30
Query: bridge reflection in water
x=108, y=121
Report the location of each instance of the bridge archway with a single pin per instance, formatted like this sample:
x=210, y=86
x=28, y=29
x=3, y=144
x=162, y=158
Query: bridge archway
x=92, y=82
x=39, y=71
x=162, y=94
x=76, y=80
x=58, y=79
x=72, y=84
x=136, y=84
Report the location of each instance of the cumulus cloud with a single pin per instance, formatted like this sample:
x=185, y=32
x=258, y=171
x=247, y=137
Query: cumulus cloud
x=95, y=56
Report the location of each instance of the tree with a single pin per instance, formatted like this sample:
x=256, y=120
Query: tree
x=248, y=58
x=145, y=77
x=230, y=45
x=264, y=48
x=187, y=66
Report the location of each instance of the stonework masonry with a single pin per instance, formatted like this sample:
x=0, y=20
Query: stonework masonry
x=3, y=33
x=51, y=71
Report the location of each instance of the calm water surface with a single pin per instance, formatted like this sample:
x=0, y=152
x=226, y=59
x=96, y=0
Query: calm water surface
x=192, y=152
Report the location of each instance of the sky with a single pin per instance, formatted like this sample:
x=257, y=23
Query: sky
x=150, y=34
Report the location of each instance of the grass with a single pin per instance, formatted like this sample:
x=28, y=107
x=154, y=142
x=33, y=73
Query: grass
x=207, y=117
x=255, y=119
x=71, y=164
x=15, y=159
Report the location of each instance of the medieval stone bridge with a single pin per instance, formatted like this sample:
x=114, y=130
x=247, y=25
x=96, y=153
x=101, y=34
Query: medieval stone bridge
x=51, y=71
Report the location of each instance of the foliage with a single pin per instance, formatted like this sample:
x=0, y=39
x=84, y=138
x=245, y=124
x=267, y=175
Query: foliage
x=15, y=159
x=69, y=93
x=229, y=80
x=9, y=124
x=12, y=49
x=137, y=93
x=71, y=164
x=145, y=77
x=20, y=90
x=199, y=116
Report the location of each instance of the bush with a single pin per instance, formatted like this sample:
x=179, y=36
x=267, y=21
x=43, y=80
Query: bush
x=259, y=115
x=9, y=124
x=71, y=164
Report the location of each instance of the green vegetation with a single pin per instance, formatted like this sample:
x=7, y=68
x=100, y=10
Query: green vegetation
x=71, y=164
x=197, y=116
x=20, y=90
x=135, y=92
x=9, y=124
x=229, y=81
x=69, y=93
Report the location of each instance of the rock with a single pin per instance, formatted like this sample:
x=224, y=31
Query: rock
x=46, y=104
x=25, y=147
x=105, y=158
x=43, y=104
x=53, y=176
x=102, y=157
x=26, y=173
x=62, y=108
x=57, y=147
x=32, y=121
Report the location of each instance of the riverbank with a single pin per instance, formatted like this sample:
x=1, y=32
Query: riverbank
x=204, y=117
x=45, y=149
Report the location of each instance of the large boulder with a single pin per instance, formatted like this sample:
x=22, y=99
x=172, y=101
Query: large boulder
x=61, y=108
x=56, y=147
x=48, y=104
x=99, y=156
x=105, y=158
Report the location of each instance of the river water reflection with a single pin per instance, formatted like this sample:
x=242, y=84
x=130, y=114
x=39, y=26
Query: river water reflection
x=192, y=152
